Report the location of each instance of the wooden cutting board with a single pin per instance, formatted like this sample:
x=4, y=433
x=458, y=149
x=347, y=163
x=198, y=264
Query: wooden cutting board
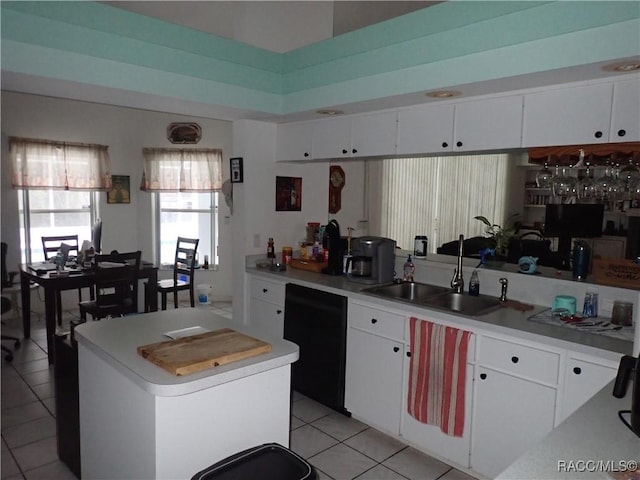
x=308, y=265
x=206, y=350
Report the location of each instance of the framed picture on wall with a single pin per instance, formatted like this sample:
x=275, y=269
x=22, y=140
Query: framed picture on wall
x=237, y=174
x=288, y=194
x=120, y=189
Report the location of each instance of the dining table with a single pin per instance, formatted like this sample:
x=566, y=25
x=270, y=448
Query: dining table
x=53, y=282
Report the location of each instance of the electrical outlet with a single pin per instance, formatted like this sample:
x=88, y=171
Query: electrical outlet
x=256, y=240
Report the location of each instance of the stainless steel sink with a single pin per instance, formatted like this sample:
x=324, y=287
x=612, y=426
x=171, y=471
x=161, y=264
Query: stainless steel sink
x=433, y=296
x=464, y=303
x=411, y=292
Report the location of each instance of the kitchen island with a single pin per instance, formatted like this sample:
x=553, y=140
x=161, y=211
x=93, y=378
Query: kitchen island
x=591, y=443
x=139, y=421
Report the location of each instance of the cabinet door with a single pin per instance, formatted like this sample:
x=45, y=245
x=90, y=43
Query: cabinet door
x=426, y=129
x=488, y=124
x=625, y=116
x=569, y=116
x=374, y=380
x=332, y=138
x=613, y=247
x=294, y=141
x=510, y=416
x=373, y=135
x=583, y=379
x=268, y=317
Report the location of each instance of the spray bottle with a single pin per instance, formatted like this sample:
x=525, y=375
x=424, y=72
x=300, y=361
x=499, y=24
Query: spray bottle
x=408, y=270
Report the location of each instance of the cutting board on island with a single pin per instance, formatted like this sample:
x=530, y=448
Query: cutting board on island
x=206, y=350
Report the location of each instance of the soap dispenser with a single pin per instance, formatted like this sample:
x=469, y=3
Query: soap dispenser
x=474, y=284
x=408, y=270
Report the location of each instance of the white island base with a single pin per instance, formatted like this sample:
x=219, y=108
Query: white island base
x=128, y=430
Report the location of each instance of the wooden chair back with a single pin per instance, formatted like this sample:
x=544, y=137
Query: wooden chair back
x=116, y=282
x=185, y=259
x=50, y=245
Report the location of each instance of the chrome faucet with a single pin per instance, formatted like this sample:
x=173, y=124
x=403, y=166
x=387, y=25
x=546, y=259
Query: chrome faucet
x=457, y=282
x=504, y=283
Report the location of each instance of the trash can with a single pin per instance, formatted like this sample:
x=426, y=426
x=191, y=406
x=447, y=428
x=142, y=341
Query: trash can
x=204, y=294
x=270, y=461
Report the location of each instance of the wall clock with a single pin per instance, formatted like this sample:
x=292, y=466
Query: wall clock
x=336, y=184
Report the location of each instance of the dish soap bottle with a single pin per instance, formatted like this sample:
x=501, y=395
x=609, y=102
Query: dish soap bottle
x=474, y=284
x=408, y=270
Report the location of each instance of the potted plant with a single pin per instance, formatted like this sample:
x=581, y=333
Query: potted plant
x=500, y=235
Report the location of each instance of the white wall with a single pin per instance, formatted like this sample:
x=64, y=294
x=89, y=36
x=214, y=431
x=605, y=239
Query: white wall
x=126, y=131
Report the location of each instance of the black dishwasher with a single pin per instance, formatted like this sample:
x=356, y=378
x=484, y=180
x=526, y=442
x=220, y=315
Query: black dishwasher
x=317, y=322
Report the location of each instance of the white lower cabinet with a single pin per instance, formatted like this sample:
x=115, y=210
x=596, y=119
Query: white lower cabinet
x=583, y=379
x=374, y=379
x=510, y=415
x=429, y=437
x=267, y=306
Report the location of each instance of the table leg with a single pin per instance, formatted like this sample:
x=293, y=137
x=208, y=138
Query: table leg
x=50, y=319
x=25, y=292
x=152, y=291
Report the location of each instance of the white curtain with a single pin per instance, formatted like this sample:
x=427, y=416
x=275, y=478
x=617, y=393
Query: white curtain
x=45, y=164
x=439, y=196
x=181, y=170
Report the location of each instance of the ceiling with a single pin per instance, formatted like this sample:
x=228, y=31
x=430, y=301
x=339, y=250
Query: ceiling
x=219, y=17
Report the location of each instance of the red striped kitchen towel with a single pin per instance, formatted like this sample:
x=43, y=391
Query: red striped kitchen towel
x=437, y=375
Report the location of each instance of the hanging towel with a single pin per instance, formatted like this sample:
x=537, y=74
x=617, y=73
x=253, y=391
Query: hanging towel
x=437, y=375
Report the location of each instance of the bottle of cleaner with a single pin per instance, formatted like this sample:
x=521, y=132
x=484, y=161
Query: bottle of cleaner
x=408, y=270
x=474, y=284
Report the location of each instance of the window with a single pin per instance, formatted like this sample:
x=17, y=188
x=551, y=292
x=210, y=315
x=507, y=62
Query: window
x=191, y=215
x=51, y=213
x=439, y=196
x=185, y=185
x=58, y=182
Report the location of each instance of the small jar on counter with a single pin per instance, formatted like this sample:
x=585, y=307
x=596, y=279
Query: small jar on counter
x=287, y=255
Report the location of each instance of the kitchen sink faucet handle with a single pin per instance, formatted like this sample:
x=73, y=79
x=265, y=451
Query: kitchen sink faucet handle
x=504, y=283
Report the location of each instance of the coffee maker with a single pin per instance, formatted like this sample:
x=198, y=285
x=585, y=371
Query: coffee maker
x=373, y=260
x=337, y=247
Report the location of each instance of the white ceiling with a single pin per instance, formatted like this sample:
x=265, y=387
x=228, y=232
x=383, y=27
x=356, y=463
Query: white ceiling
x=217, y=17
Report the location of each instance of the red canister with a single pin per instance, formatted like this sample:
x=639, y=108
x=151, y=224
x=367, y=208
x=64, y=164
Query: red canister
x=287, y=254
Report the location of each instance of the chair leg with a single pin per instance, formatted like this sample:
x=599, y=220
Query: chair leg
x=164, y=301
x=175, y=299
x=146, y=297
x=59, y=307
x=191, y=295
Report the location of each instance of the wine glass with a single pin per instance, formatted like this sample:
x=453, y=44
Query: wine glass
x=602, y=185
x=563, y=185
x=629, y=176
x=544, y=177
x=587, y=186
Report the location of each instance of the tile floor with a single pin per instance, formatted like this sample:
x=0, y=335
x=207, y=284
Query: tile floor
x=340, y=448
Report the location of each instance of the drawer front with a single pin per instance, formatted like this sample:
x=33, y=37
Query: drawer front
x=377, y=321
x=525, y=361
x=268, y=291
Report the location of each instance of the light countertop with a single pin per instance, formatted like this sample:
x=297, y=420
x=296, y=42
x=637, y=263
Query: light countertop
x=116, y=340
x=587, y=445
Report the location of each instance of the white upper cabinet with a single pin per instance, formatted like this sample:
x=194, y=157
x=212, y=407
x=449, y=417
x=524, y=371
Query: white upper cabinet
x=488, y=124
x=568, y=116
x=359, y=136
x=625, y=116
x=375, y=134
x=294, y=141
x=425, y=129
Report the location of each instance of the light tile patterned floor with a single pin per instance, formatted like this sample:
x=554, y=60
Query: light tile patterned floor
x=340, y=448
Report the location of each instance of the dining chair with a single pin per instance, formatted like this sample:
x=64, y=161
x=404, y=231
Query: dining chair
x=50, y=246
x=115, y=284
x=183, y=272
x=6, y=304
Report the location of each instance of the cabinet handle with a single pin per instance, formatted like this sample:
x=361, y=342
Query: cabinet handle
x=396, y=349
x=445, y=144
x=458, y=143
x=598, y=134
x=374, y=320
x=278, y=312
x=515, y=359
x=344, y=151
x=622, y=133
x=408, y=354
x=306, y=154
x=483, y=376
x=577, y=370
x=265, y=290
x=354, y=150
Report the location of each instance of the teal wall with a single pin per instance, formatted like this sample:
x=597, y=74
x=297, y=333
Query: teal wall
x=452, y=43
